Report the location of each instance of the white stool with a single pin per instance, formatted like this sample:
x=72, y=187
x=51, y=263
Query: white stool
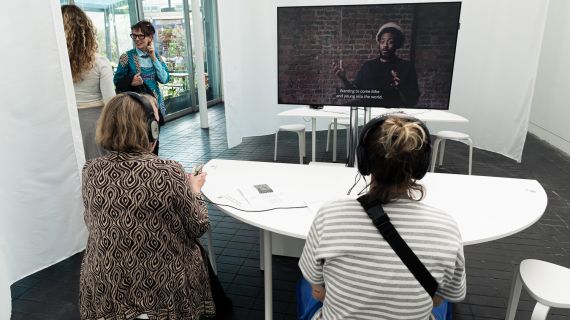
x=440, y=138
x=342, y=122
x=547, y=283
x=300, y=130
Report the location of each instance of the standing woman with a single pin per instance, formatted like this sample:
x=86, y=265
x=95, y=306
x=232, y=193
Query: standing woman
x=92, y=74
x=141, y=69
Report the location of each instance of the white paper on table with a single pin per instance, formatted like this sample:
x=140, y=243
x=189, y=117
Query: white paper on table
x=250, y=198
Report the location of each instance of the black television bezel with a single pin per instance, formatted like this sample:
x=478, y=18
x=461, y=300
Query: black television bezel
x=364, y=5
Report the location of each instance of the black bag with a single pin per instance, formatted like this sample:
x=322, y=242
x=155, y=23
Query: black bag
x=224, y=306
x=124, y=84
x=382, y=222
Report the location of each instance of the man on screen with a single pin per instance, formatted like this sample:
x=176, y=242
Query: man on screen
x=388, y=80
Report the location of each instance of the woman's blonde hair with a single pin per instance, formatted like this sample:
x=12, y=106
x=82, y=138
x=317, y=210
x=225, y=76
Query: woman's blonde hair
x=123, y=126
x=81, y=38
x=400, y=150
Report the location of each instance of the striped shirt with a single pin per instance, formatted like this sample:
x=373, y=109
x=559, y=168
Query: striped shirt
x=364, y=278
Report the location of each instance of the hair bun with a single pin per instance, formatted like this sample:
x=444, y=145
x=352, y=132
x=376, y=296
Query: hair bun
x=402, y=137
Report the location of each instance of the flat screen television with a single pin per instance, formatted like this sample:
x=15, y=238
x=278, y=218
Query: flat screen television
x=381, y=55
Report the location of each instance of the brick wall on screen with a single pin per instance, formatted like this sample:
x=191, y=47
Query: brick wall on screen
x=311, y=38
x=434, y=44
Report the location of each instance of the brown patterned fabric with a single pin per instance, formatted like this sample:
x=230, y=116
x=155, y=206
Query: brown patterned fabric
x=142, y=254
x=124, y=59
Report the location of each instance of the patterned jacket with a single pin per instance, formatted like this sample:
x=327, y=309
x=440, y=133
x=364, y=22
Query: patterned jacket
x=129, y=65
x=142, y=253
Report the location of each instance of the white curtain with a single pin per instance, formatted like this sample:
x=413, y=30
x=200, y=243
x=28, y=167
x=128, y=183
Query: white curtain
x=550, y=113
x=493, y=81
x=41, y=211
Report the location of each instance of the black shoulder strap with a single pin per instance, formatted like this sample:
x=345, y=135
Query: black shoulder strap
x=391, y=235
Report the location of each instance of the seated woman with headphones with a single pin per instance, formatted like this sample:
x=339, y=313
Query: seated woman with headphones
x=144, y=216
x=357, y=268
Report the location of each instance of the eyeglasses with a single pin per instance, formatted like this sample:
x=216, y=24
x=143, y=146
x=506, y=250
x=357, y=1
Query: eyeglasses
x=137, y=36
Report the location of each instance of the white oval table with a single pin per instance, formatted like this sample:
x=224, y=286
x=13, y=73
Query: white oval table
x=485, y=208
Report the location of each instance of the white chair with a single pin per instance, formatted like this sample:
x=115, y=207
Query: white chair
x=547, y=283
x=440, y=138
x=300, y=130
x=343, y=123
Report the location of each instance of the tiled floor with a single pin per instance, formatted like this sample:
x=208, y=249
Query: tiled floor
x=52, y=292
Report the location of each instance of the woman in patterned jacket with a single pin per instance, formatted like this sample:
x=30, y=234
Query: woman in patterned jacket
x=144, y=216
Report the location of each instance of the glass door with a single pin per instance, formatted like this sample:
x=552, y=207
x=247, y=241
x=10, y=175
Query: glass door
x=113, y=20
x=171, y=40
x=211, y=51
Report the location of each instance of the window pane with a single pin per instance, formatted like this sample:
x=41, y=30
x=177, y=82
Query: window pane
x=211, y=49
x=170, y=39
x=113, y=20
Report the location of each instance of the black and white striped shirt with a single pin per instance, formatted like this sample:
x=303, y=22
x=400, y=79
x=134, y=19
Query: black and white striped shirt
x=364, y=278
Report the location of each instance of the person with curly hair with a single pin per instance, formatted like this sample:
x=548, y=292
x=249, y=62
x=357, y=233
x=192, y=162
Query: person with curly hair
x=92, y=74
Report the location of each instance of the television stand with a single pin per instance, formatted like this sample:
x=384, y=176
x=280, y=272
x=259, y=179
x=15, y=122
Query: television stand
x=316, y=106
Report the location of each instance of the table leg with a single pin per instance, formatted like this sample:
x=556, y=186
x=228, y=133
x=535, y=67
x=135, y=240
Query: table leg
x=314, y=146
x=268, y=275
x=261, y=250
x=514, y=296
x=334, y=139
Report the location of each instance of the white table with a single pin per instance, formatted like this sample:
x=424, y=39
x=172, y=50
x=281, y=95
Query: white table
x=485, y=208
x=335, y=113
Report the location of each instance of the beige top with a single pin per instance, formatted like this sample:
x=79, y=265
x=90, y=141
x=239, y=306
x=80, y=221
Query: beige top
x=96, y=86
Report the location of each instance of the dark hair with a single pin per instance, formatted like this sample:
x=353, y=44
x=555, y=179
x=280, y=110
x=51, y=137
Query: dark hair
x=146, y=27
x=398, y=36
x=398, y=149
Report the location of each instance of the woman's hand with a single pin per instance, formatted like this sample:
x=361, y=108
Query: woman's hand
x=150, y=49
x=137, y=80
x=196, y=182
x=318, y=292
x=437, y=300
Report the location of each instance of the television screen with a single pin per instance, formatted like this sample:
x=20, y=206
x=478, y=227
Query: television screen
x=384, y=55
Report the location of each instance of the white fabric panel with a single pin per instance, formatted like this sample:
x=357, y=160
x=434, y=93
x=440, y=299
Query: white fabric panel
x=495, y=70
x=550, y=112
x=5, y=299
x=249, y=61
x=40, y=199
x=493, y=81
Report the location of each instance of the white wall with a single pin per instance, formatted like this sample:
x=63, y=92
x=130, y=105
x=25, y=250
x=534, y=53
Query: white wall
x=493, y=81
x=41, y=212
x=550, y=111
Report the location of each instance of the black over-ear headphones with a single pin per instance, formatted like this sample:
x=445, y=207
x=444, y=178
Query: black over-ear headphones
x=366, y=162
x=153, y=128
